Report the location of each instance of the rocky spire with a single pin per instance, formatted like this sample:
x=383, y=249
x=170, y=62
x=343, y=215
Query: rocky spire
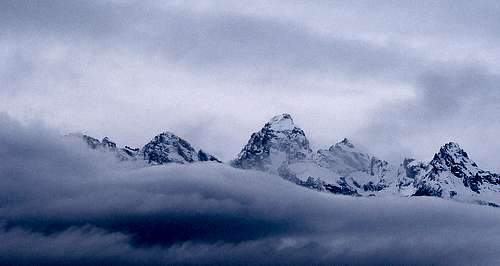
x=169, y=148
x=280, y=140
x=451, y=173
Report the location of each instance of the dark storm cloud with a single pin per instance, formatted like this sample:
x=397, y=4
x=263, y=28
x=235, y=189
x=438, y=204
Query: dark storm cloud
x=61, y=203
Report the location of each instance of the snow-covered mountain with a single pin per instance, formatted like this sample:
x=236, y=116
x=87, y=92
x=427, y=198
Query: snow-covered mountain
x=163, y=148
x=344, y=158
x=169, y=148
x=452, y=174
x=282, y=148
x=278, y=144
x=106, y=145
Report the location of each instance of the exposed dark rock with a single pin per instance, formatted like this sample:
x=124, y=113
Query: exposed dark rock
x=279, y=136
x=169, y=148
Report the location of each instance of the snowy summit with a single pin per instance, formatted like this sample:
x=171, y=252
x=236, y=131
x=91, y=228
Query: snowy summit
x=281, y=148
x=281, y=122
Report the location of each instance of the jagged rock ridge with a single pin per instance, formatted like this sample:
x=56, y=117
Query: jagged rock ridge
x=125, y=154
x=452, y=174
x=282, y=148
x=276, y=145
x=163, y=148
x=169, y=148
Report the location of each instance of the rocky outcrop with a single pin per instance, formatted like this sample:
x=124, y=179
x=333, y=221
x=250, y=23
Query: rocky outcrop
x=169, y=148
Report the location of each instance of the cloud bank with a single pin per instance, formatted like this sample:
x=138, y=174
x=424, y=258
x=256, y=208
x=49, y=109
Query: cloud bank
x=423, y=73
x=63, y=204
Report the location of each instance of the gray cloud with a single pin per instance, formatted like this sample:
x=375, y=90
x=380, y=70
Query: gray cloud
x=205, y=40
x=402, y=77
x=69, y=19
x=452, y=104
x=131, y=69
x=61, y=203
x=135, y=61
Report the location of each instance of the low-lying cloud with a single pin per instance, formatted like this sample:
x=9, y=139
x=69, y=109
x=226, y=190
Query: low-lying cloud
x=61, y=203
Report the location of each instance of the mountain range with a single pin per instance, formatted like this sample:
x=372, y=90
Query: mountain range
x=282, y=148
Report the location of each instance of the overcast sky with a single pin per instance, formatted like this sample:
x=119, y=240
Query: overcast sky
x=399, y=77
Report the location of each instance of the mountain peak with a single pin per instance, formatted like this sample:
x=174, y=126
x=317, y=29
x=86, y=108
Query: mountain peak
x=344, y=145
x=346, y=142
x=451, y=168
x=278, y=143
x=106, y=142
x=281, y=122
x=452, y=148
x=166, y=135
x=451, y=156
x=344, y=158
x=451, y=153
x=167, y=147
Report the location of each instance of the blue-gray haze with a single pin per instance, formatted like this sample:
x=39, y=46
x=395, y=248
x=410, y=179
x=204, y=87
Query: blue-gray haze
x=399, y=77
x=64, y=204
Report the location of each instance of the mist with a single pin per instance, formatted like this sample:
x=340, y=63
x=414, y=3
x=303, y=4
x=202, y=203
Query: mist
x=213, y=72
x=62, y=203
x=399, y=79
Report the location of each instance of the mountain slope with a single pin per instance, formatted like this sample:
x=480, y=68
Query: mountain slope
x=169, y=148
x=163, y=148
x=282, y=148
x=106, y=145
x=278, y=144
x=452, y=174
